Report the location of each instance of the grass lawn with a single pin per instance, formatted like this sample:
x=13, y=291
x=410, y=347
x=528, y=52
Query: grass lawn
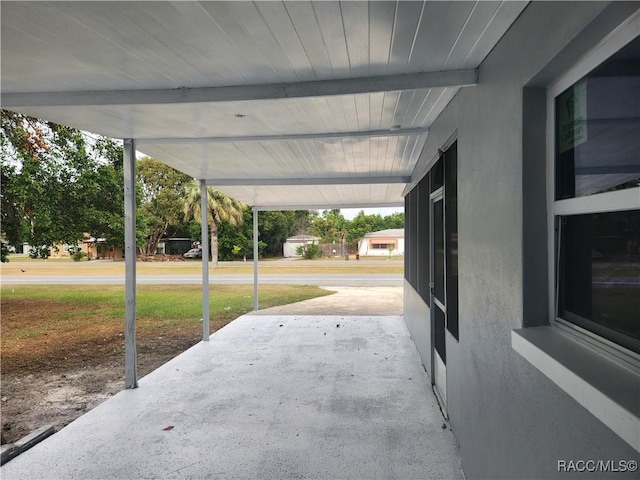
x=59, y=327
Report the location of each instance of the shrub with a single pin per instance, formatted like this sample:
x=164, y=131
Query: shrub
x=39, y=252
x=308, y=251
x=78, y=255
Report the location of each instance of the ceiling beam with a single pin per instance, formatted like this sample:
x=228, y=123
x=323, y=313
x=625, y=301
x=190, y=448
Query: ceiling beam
x=269, y=182
x=297, y=136
x=349, y=86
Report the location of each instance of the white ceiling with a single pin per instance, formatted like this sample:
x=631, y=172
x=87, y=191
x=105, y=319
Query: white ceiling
x=279, y=104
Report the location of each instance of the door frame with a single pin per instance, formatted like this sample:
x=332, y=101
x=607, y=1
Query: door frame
x=438, y=365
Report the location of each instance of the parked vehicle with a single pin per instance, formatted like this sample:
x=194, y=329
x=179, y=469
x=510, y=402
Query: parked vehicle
x=193, y=253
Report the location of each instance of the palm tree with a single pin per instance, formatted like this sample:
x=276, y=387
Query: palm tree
x=220, y=206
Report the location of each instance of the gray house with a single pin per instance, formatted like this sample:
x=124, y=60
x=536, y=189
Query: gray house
x=509, y=131
x=523, y=230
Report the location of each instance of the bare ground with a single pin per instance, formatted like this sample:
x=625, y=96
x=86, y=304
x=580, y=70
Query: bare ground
x=53, y=398
x=45, y=382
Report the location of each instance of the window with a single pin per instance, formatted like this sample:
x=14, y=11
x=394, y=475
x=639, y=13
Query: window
x=590, y=349
x=423, y=253
x=411, y=236
x=444, y=200
x=595, y=199
x=451, y=234
x=383, y=246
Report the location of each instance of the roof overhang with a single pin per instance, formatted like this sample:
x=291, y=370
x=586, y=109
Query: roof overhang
x=278, y=104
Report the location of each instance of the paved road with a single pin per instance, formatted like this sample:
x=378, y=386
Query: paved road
x=337, y=280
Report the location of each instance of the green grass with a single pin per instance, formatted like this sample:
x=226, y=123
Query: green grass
x=63, y=327
x=166, y=301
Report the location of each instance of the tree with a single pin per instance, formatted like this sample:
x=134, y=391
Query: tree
x=104, y=208
x=395, y=220
x=362, y=224
x=236, y=241
x=10, y=220
x=330, y=227
x=163, y=193
x=273, y=227
x=57, y=183
x=220, y=207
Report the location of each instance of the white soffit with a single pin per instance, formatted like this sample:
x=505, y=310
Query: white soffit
x=241, y=70
x=301, y=197
x=332, y=157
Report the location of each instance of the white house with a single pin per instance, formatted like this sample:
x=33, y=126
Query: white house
x=291, y=245
x=379, y=243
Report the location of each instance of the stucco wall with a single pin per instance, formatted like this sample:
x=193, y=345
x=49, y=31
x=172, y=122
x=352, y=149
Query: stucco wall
x=509, y=419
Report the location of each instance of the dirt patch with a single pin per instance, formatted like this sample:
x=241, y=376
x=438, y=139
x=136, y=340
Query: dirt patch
x=48, y=396
x=56, y=375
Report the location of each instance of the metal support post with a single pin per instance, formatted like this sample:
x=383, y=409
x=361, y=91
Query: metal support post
x=204, y=223
x=255, y=259
x=130, y=353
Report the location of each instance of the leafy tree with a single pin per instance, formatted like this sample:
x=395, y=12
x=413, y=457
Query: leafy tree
x=105, y=207
x=395, y=220
x=236, y=241
x=362, y=224
x=10, y=221
x=220, y=207
x=275, y=226
x=163, y=193
x=273, y=229
x=57, y=183
x=331, y=227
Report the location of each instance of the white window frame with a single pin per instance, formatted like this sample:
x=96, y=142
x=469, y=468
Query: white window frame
x=628, y=199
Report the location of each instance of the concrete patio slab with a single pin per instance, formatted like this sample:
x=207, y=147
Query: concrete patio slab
x=269, y=397
x=346, y=301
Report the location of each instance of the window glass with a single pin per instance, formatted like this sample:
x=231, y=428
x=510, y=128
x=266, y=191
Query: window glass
x=451, y=232
x=411, y=236
x=423, y=255
x=439, y=336
x=597, y=126
x=437, y=175
x=599, y=278
x=438, y=253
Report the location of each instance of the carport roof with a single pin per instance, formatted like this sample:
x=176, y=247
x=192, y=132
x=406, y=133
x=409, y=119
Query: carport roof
x=278, y=104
